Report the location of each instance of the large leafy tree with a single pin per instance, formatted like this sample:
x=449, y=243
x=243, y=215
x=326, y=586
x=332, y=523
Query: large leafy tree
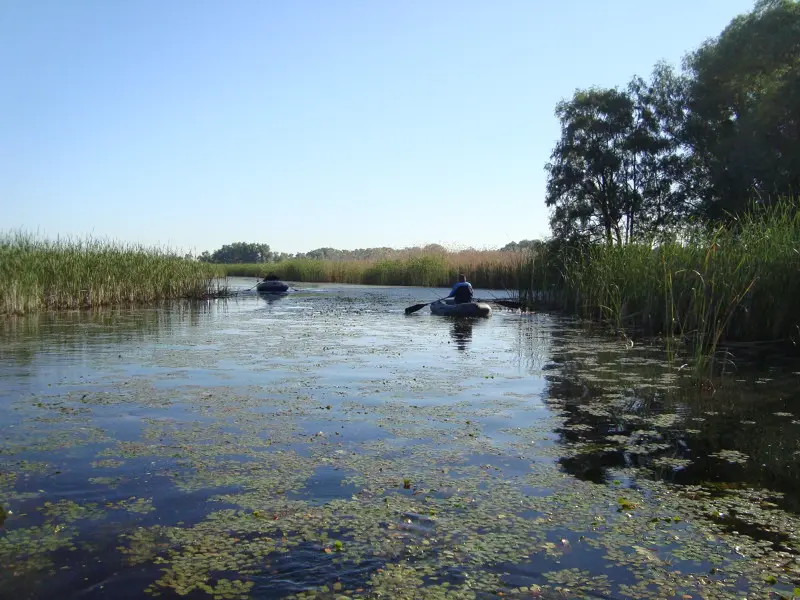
x=633, y=163
x=616, y=174
x=239, y=252
x=584, y=187
x=657, y=160
x=522, y=245
x=743, y=124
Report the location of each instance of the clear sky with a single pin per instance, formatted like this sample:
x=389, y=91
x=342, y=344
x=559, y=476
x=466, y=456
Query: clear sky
x=307, y=123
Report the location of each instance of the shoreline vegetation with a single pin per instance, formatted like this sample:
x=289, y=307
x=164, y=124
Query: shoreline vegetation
x=737, y=283
x=489, y=269
x=729, y=284
x=734, y=285
x=40, y=275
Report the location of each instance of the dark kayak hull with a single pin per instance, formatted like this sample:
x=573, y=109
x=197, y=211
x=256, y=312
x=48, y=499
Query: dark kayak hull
x=272, y=287
x=447, y=308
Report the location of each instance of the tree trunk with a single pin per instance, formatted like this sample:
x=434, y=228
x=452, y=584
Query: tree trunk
x=630, y=229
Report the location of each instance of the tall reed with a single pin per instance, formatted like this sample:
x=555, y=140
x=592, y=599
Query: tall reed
x=485, y=269
x=65, y=274
x=738, y=283
x=540, y=277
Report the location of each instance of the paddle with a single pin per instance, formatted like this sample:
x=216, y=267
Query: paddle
x=506, y=303
x=416, y=307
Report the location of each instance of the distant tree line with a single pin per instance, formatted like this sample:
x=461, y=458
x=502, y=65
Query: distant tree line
x=239, y=252
x=522, y=245
x=244, y=252
x=696, y=146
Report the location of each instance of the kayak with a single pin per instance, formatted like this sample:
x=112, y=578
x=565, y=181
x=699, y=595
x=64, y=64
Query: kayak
x=271, y=286
x=448, y=308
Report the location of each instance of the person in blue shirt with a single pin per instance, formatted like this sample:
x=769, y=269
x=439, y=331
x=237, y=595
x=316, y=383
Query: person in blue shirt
x=462, y=291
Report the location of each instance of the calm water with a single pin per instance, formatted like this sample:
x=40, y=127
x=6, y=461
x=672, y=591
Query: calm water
x=325, y=445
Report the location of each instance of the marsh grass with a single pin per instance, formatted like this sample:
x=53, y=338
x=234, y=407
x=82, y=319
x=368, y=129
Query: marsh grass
x=540, y=278
x=737, y=284
x=73, y=274
x=485, y=269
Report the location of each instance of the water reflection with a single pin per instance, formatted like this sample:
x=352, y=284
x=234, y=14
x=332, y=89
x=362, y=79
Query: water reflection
x=161, y=415
x=625, y=410
x=534, y=338
x=272, y=297
x=74, y=332
x=461, y=332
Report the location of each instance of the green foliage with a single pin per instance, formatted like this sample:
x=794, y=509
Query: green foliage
x=743, y=117
x=43, y=275
x=612, y=176
x=540, y=275
x=488, y=269
x=522, y=245
x=650, y=189
x=239, y=252
x=584, y=184
x=735, y=283
x=634, y=163
x=371, y=254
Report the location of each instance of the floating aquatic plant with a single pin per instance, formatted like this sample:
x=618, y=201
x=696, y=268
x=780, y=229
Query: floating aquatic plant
x=432, y=490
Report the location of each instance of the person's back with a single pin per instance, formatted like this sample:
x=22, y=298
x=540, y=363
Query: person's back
x=462, y=291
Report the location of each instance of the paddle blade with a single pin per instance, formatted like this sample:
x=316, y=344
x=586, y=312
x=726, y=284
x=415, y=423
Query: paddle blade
x=508, y=303
x=415, y=308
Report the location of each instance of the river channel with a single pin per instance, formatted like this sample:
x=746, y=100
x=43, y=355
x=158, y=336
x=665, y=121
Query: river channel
x=323, y=444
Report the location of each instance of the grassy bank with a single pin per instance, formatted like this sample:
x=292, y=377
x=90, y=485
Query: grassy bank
x=42, y=275
x=489, y=269
x=737, y=284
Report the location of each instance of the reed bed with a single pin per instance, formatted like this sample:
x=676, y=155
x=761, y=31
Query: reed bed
x=70, y=274
x=485, y=269
x=737, y=284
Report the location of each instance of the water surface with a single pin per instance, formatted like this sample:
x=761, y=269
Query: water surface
x=322, y=444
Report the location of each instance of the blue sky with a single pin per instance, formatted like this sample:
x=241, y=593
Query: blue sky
x=307, y=123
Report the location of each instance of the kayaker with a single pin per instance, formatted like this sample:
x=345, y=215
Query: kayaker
x=462, y=291
x=271, y=277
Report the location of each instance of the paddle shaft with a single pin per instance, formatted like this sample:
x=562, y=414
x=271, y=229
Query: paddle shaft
x=506, y=303
x=501, y=302
x=416, y=307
